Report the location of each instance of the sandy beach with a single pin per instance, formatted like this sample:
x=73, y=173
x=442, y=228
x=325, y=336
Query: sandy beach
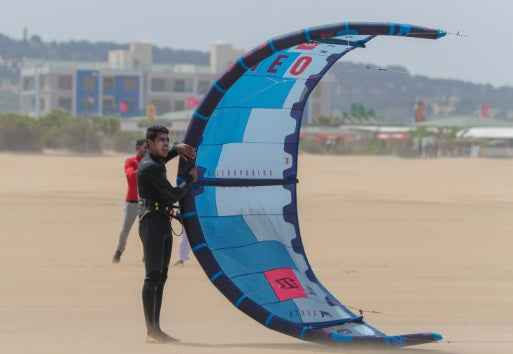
x=418, y=245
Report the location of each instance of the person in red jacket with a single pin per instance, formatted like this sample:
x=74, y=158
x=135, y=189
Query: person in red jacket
x=130, y=211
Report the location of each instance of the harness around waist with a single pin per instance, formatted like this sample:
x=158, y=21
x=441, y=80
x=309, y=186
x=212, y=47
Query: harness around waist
x=156, y=205
x=147, y=206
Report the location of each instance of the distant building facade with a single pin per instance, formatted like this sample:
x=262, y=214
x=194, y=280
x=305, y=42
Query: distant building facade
x=124, y=86
x=128, y=83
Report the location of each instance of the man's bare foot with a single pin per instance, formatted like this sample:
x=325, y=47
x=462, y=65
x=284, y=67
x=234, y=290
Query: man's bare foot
x=160, y=338
x=168, y=337
x=150, y=338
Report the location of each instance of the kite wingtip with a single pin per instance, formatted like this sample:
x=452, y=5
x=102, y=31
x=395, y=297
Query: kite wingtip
x=437, y=337
x=441, y=33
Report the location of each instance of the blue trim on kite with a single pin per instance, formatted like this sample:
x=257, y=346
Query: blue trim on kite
x=217, y=275
x=218, y=88
x=188, y=215
x=271, y=45
x=437, y=337
x=241, y=62
x=268, y=320
x=307, y=34
x=200, y=116
x=303, y=331
x=404, y=30
x=345, y=31
x=239, y=301
x=392, y=29
x=398, y=340
x=387, y=341
x=341, y=338
x=441, y=33
x=197, y=247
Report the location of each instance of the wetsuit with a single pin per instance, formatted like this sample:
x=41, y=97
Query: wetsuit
x=156, y=197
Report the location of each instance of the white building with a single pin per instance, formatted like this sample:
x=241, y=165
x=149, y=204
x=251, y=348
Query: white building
x=128, y=83
x=223, y=55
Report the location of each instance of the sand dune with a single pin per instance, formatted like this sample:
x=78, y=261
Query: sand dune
x=421, y=245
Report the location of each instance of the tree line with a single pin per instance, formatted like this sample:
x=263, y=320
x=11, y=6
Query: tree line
x=62, y=131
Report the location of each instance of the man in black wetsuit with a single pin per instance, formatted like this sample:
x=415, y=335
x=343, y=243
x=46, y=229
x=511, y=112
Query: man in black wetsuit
x=156, y=198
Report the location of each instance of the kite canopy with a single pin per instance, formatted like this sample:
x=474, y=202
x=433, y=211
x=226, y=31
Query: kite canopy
x=241, y=218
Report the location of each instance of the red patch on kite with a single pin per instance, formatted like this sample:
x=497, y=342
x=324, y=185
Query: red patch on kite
x=285, y=284
x=307, y=46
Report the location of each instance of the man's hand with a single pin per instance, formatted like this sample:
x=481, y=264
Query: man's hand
x=185, y=151
x=194, y=173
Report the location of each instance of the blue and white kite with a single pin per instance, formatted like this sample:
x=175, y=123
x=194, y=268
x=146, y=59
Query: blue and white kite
x=241, y=217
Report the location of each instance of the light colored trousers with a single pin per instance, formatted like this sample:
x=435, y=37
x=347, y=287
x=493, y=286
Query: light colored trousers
x=130, y=213
x=184, y=248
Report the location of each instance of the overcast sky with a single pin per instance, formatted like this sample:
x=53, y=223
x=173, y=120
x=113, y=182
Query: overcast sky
x=484, y=56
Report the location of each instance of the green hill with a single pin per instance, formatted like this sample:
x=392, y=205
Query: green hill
x=392, y=92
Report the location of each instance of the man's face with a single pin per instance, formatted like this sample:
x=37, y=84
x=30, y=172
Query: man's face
x=160, y=146
x=141, y=149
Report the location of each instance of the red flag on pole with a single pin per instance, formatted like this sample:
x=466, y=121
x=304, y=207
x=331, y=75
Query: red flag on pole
x=192, y=102
x=484, y=111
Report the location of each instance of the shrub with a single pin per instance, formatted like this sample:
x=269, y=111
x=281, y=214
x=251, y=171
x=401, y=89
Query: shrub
x=311, y=146
x=106, y=126
x=125, y=141
x=20, y=133
x=64, y=131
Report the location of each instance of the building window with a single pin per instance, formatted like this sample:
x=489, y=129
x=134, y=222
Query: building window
x=65, y=82
x=108, y=84
x=88, y=104
x=158, y=85
x=161, y=106
x=130, y=84
x=88, y=83
x=109, y=106
x=42, y=81
x=28, y=84
x=41, y=103
x=64, y=103
x=131, y=105
x=179, y=105
x=180, y=85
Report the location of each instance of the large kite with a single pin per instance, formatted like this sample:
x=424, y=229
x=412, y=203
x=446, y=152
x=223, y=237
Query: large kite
x=241, y=217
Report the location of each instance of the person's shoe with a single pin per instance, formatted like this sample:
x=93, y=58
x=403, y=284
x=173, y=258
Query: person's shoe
x=117, y=257
x=178, y=263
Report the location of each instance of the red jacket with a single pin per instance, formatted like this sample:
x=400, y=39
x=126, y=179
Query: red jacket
x=131, y=171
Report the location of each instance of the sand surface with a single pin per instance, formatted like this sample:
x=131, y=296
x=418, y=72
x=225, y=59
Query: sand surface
x=423, y=245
